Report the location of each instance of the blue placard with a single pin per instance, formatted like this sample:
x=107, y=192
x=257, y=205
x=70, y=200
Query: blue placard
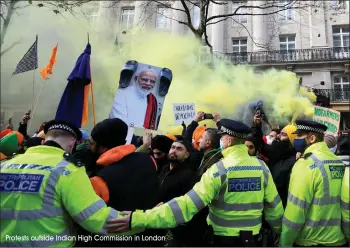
x=244, y=184
x=25, y=183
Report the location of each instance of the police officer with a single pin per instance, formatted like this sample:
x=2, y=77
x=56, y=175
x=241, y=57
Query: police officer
x=345, y=204
x=237, y=190
x=43, y=192
x=312, y=216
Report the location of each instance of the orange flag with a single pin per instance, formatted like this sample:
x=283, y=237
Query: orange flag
x=48, y=69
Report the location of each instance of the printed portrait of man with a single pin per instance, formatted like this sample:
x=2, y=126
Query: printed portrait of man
x=136, y=104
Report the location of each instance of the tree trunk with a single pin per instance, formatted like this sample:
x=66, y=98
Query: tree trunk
x=7, y=20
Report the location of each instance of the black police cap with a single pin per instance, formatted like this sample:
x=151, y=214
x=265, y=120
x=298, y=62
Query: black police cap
x=234, y=128
x=64, y=126
x=304, y=126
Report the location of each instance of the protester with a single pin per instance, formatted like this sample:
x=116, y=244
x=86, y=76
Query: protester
x=176, y=179
x=160, y=147
x=311, y=204
x=226, y=199
x=41, y=128
x=57, y=194
x=331, y=141
x=34, y=141
x=343, y=149
x=209, y=144
x=124, y=179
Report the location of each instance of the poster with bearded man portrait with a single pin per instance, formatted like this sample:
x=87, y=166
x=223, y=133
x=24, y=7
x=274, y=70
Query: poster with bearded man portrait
x=141, y=93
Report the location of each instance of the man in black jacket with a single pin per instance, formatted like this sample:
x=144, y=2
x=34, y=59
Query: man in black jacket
x=124, y=179
x=176, y=179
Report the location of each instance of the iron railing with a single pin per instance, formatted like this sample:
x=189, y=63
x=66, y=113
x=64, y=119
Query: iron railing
x=334, y=95
x=283, y=56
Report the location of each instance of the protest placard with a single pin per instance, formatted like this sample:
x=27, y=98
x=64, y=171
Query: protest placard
x=184, y=112
x=328, y=117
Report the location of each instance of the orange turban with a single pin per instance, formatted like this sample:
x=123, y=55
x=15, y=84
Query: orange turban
x=170, y=136
x=5, y=132
x=197, y=134
x=20, y=137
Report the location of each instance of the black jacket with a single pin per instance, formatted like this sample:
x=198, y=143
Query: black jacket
x=281, y=159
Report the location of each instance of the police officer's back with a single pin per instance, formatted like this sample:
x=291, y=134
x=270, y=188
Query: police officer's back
x=237, y=190
x=43, y=193
x=313, y=213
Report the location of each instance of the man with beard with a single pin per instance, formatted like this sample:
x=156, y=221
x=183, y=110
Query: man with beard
x=136, y=105
x=175, y=180
x=160, y=146
x=125, y=179
x=209, y=144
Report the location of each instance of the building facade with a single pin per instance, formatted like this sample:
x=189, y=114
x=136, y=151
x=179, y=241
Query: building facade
x=312, y=42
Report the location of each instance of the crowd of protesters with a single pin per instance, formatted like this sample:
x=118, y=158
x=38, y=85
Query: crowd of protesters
x=153, y=170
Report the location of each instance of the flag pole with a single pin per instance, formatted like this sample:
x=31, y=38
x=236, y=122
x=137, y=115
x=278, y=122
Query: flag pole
x=31, y=120
x=37, y=101
x=92, y=99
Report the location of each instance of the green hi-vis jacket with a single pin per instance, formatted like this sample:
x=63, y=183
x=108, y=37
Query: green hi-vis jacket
x=42, y=195
x=313, y=214
x=237, y=190
x=345, y=204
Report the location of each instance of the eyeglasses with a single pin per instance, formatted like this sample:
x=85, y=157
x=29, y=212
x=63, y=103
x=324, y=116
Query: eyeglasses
x=148, y=80
x=283, y=134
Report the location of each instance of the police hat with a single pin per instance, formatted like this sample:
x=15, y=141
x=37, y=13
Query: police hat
x=64, y=126
x=305, y=126
x=234, y=128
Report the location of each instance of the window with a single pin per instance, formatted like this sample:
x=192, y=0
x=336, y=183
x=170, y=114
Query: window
x=341, y=36
x=163, y=15
x=127, y=18
x=196, y=16
x=341, y=82
x=336, y=4
x=91, y=12
x=241, y=18
x=287, y=42
x=286, y=11
x=239, y=46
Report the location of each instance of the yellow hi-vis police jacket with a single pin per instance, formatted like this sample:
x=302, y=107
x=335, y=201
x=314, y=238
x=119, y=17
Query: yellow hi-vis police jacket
x=237, y=190
x=313, y=214
x=42, y=195
x=345, y=204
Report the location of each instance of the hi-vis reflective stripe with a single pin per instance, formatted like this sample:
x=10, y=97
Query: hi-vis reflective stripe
x=89, y=211
x=11, y=214
x=274, y=203
x=327, y=199
x=291, y=224
x=27, y=166
x=221, y=171
x=311, y=223
x=175, y=208
x=48, y=209
x=266, y=172
x=233, y=223
x=298, y=202
x=196, y=199
x=345, y=224
x=344, y=205
x=113, y=214
x=220, y=204
x=38, y=243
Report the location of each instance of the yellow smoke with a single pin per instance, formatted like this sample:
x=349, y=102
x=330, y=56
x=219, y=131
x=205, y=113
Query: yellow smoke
x=219, y=88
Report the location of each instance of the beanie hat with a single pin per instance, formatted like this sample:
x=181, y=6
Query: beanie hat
x=162, y=143
x=197, y=134
x=9, y=144
x=110, y=133
x=171, y=136
x=20, y=137
x=187, y=144
x=5, y=132
x=330, y=139
x=290, y=129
